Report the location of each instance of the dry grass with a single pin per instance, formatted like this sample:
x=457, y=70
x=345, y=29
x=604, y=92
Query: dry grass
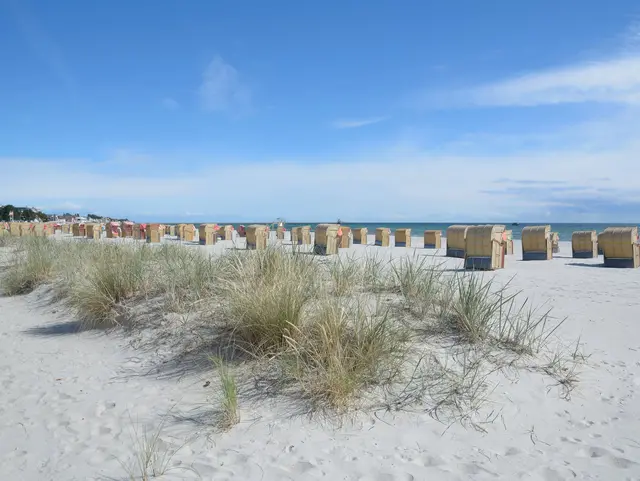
x=419, y=282
x=345, y=273
x=228, y=414
x=476, y=307
x=562, y=365
x=6, y=240
x=32, y=265
x=458, y=386
x=114, y=274
x=331, y=326
x=152, y=456
x=183, y=276
x=478, y=312
x=343, y=350
x=265, y=293
x=375, y=271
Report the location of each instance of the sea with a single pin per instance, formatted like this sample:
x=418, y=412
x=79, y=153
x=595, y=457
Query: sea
x=564, y=230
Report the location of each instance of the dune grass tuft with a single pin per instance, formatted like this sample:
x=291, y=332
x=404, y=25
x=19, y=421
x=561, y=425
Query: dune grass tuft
x=418, y=281
x=343, y=350
x=476, y=307
x=331, y=326
x=152, y=456
x=375, y=271
x=115, y=273
x=32, y=264
x=345, y=275
x=6, y=240
x=477, y=311
x=228, y=414
x=183, y=276
x=265, y=293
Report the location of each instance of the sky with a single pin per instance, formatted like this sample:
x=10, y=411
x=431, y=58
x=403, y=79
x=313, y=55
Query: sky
x=312, y=111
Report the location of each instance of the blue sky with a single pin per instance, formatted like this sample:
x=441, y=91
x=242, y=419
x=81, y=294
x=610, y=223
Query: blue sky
x=379, y=110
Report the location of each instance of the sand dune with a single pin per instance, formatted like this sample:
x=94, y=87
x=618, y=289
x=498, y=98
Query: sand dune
x=71, y=401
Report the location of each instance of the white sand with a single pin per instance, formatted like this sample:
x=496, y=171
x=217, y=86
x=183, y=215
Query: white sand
x=68, y=401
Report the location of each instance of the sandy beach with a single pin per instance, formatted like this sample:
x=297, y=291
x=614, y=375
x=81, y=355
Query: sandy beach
x=73, y=404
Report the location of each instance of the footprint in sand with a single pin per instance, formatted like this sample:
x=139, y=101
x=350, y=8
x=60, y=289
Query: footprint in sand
x=429, y=461
x=308, y=468
x=103, y=407
x=388, y=477
x=596, y=452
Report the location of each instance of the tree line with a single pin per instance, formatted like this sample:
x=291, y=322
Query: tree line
x=24, y=214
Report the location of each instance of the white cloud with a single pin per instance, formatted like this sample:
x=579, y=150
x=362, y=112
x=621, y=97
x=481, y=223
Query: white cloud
x=355, y=123
x=66, y=206
x=170, y=103
x=222, y=90
x=615, y=80
x=418, y=186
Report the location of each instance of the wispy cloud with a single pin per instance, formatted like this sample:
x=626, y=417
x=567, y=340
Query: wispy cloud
x=170, y=103
x=355, y=123
x=612, y=78
x=222, y=90
x=615, y=80
x=529, y=182
x=419, y=185
x=66, y=206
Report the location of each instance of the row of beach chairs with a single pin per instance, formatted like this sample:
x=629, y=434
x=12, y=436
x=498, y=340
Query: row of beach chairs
x=480, y=245
x=483, y=247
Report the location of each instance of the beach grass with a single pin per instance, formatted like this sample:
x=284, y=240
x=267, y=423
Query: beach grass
x=31, y=265
x=114, y=274
x=228, y=413
x=343, y=350
x=330, y=327
x=152, y=456
x=265, y=293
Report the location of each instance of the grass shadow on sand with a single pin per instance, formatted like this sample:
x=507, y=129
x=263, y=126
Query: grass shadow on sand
x=57, y=329
x=193, y=358
x=584, y=264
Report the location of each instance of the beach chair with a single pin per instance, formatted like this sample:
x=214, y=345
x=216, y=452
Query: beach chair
x=456, y=237
x=127, y=229
x=208, y=234
x=326, y=239
x=484, y=247
x=189, y=233
x=536, y=243
x=360, y=235
x=155, y=233
x=383, y=236
x=94, y=231
x=620, y=247
x=432, y=239
x=584, y=244
x=113, y=230
x=402, y=237
x=257, y=236
x=346, y=239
